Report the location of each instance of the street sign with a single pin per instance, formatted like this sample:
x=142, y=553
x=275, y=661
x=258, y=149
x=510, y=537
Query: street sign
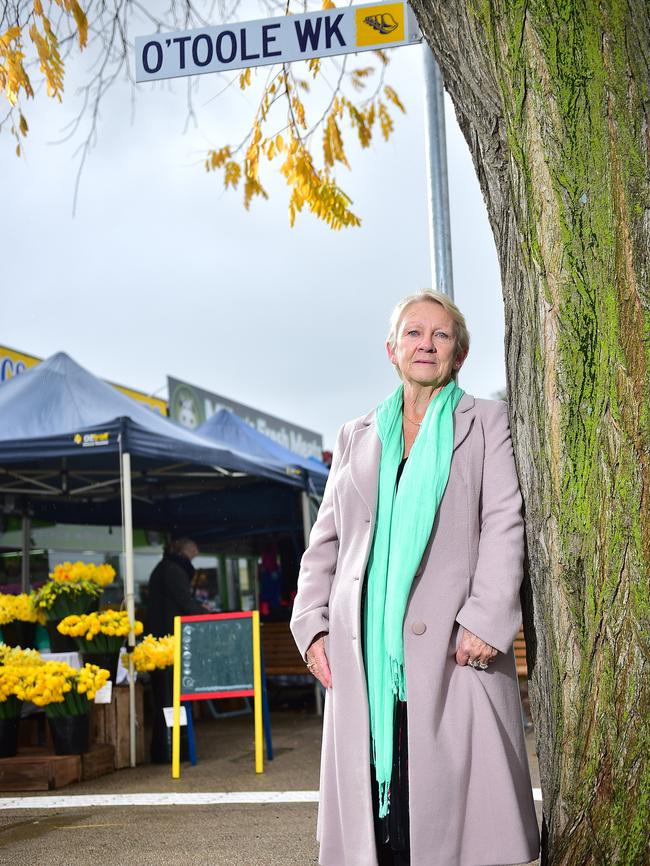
x=275, y=40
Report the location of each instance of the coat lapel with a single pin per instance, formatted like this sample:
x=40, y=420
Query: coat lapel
x=463, y=419
x=365, y=450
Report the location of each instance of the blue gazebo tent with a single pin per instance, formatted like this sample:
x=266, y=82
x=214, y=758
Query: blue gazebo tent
x=228, y=429
x=67, y=436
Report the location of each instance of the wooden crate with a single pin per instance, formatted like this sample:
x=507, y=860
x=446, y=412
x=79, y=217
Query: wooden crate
x=34, y=731
x=99, y=761
x=36, y=770
x=110, y=725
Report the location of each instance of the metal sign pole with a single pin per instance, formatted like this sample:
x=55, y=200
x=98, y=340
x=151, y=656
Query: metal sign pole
x=437, y=182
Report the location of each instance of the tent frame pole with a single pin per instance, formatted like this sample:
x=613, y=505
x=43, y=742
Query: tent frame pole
x=306, y=516
x=129, y=595
x=26, y=544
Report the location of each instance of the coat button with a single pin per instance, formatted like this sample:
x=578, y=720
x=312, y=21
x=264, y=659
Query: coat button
x=418, y=627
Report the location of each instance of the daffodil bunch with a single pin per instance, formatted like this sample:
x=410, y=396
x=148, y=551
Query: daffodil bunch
x=14, y=661
x=18, y=607
x=59, y=688
x=15, y=656
x=9, y=703
x=153, y=653
x=79, y=572
x=57, y=599
x=99, y=632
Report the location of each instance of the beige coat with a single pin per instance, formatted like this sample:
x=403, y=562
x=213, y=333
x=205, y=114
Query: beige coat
x=469, y=786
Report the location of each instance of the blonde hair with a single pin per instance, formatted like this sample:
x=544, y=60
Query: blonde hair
x=460, y=326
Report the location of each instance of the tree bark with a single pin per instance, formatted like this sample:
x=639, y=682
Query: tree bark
x=553, y=98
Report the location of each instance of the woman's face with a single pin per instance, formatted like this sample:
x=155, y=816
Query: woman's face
x=425, y=352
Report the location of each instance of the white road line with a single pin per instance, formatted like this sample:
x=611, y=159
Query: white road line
x=248, y=798
x=74, y=801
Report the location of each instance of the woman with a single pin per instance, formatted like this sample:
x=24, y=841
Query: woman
x=407, y=607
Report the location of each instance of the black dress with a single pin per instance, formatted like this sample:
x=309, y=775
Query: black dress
x=392, y=831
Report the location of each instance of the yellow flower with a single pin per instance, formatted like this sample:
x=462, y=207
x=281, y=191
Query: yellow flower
x=76, y=572
x=50, y=682
x=113, y=623
x=154, y=653
x=17, y=607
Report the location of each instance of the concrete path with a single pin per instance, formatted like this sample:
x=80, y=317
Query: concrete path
x=226, y=833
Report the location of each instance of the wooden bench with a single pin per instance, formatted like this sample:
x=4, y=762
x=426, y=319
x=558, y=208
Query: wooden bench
x=520, y=654
x=281, y=656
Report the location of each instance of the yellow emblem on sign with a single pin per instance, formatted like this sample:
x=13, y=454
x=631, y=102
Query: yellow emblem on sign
x=377, y=24
x=78, y=438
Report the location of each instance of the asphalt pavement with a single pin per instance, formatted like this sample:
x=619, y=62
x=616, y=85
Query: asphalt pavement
x=223, y=834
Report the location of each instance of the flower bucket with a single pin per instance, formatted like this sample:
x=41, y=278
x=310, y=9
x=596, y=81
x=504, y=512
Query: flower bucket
x=107, y=661
x=18, y=633
x=9, y=736
x=60, y=643
x=70, y=734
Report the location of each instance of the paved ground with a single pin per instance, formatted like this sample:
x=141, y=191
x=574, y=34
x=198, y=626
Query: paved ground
x=277, y=834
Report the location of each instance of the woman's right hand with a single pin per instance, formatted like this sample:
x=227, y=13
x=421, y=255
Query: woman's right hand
x=317, y=661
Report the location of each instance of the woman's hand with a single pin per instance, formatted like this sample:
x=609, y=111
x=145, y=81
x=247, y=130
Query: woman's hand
x=317, y=661
x=473, y=649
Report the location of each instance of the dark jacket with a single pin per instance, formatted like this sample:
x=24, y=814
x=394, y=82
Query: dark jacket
x=169, y=596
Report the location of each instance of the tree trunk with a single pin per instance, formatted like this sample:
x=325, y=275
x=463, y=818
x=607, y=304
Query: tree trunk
x=553, y=97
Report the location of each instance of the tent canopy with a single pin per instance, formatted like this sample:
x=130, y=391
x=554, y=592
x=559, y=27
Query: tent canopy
x=226, y=428
x=58, y=416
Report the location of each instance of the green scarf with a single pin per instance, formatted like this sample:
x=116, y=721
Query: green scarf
x=403, y=527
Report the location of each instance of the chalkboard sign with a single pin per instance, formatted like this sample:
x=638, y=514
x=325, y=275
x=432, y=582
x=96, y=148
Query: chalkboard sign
x=216, y=657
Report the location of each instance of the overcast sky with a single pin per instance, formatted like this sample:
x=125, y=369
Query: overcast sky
x=162, y=272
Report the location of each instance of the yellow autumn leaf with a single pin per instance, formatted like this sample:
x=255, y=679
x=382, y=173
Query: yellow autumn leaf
x=385, y=121
x=333, y=142
x=217, y=158
x=299, y=111
x=232, y=174
x=80, y=20
x=252, y=187
x=394, y=98
x=51, y=64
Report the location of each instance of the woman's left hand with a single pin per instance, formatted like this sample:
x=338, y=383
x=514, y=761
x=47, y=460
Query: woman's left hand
x=473, y=649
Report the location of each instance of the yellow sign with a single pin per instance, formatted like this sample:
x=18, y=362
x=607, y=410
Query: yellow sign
x=155, y=403
x=12, y=363
x=91, y=440
x=384, y=22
